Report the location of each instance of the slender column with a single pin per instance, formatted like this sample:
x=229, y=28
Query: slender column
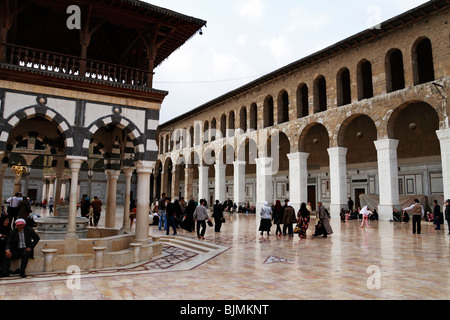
x=175, y=184
x=51, y=189
x=239, y=182
x=59, y=173
x=444, y=138
x=144, y=169
x=164, y=182
x=63, y=188
x=75, y=165
x=220, y=182
x=338, y=179
x=3, y=168
x=188, y=182
x=110, y=216
x=264, y=191
x=388, y=177
x=298, y=178
x=203, y=187
x=44, y=189
x=128, y=171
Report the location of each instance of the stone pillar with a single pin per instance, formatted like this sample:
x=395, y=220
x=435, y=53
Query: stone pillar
x=164, y=183
x=388, y=177
x=444, y=139
x=144, y=169
x=203, y=186
x=111, y=198
x=239, y=182
x=220, y=182
x=128, y=171
x=63, y=188
x=338, y=180
x=298, y=178
x=44, y=189
x=71, y=235
x=188, y=182
x=264, y=189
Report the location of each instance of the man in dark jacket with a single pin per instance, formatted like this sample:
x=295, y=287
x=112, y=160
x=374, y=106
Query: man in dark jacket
x=170, y=216
x=447, y=213
x=437, y=215
x=20, y=244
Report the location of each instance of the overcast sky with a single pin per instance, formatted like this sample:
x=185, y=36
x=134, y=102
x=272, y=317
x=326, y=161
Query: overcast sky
x=246, y=39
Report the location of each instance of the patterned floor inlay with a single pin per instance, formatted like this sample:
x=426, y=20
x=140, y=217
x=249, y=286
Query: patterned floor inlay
x=273, y=259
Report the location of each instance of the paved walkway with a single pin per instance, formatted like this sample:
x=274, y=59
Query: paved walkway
x=384, y=261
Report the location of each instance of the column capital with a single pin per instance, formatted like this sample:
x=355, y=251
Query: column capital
x=145, y=166
x=386, y=144
x=75, y=162
x=337, y=151
x=128, y=171
x=112, y=174
x=443, y=134
x=297, y=155
x=239, y=163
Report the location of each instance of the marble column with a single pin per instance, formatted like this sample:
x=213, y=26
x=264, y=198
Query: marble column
x=71, y=235
x=388, y=177
x=164, y=183
x=264, y=189
x=128, y=171
x=444, y=139
x=338, y=180
x=188, y=182
x=63, y=188
x=111, y=198
x=298, y=179
x=220, y=182
x=239, y=182
x=203, y=187
x=144, y=169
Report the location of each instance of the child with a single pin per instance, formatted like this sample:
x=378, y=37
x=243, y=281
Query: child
x=365, y=216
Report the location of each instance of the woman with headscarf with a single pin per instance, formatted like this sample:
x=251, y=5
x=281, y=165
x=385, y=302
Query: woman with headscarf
x=278, y=216
x=365, y=216
x=303, y=220
x=266, y=219
x=187, y=222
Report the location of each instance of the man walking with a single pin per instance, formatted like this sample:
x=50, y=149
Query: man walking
x=417, y=212
x=162, y=212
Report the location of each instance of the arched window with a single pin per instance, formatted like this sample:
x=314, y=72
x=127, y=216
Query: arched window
x=206, y=131
x=167, y=145
x=283, y=107
x=197, y=134
x=191, y=137
x=223, y=126
x=243, y=119
x=302, y=101
x=214, y=132
x=344, y=94
x=268, y=112
x=423, y=61
x=395, y=74
x=253, y=117
x=320, y=94
x=231, y=124
x=365, y=85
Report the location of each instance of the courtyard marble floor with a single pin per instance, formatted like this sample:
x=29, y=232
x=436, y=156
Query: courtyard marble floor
x=382, y=262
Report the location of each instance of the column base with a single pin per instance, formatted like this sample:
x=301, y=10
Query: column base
x=335, y=209
x=385, y=211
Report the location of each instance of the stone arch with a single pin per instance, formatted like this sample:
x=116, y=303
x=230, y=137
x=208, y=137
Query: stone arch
x=248, y=152
x=320, y=94
x=414, y=124
x=358, y=133
x=315, y=140
x=38, y=111
x=128, y=127
x=278, y=146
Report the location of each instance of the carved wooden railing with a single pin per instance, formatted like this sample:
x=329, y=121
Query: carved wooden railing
x=47, y=61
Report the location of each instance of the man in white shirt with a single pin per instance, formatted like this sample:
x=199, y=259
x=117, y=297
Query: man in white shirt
x=13, y=209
